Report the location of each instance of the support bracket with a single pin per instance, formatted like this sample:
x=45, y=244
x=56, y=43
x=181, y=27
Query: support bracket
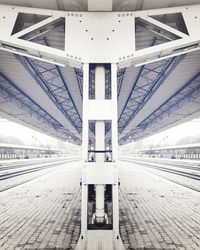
x=109, y=30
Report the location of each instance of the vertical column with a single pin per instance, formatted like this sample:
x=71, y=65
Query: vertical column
x=100, y=142
x=114, y=113
x=84, y=149
x=91, y=171
x=115, y=149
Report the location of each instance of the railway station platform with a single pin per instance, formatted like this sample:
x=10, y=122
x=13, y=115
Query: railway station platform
x=44, y=213
x=157, y=213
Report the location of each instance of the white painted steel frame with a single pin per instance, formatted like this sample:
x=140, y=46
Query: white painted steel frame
x=86, y=32
x=99, y=142
x=99, y=38
x=100, y=173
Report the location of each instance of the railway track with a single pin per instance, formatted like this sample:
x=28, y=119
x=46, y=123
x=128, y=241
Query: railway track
x=188, y=171
x=4, y=165
x=12, y=171
x=29, y=170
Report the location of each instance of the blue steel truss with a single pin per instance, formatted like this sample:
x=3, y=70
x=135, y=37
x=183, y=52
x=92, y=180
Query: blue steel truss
x=189, y=92
x=92, y=82
x=79, y=77
x=13, y=91
x=108, y=83
x=186, y=91
x=120, y=78
x=149, y=79
x=51, y=80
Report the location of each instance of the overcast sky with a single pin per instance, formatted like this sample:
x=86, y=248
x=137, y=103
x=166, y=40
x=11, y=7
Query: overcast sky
x=27, y=135
x=30, y=136
x=176, y=133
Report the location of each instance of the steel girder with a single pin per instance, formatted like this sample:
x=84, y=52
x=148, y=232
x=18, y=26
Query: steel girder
x=120, y=78
x=11, y=93
x=79, y=77
x=75, y=53
x=51, y=80
x=149, y=79
x=189, y=93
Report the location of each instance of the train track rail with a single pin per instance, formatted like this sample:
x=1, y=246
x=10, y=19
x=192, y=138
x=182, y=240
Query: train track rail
x=190, y=172
x=30, y=170
x=12, y=172
x=11, y=165
x=173, y=171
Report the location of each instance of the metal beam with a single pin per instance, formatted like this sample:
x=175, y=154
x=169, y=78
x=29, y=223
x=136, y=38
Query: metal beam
x=186, y=95
x=149, y=79
x=111, y=25
x=79, y=77
x=50, y=79
x=187, y=90
x=74, y=113
x=120, y=78
x=11, y=92
x=185, y=44
x=36, y=27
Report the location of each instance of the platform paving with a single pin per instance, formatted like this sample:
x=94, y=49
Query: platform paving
x=45, y=213
x=157, y=213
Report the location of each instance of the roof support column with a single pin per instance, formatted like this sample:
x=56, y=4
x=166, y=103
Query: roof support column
x=100, y=216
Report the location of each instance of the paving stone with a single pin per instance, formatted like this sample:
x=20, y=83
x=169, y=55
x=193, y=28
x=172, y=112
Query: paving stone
x=156, y=213
x=32, y=215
